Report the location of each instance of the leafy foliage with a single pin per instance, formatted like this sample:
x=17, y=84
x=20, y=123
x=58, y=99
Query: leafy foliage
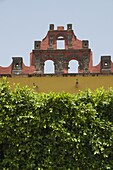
x=55, y=131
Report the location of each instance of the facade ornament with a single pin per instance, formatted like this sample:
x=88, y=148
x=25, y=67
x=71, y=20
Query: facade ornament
x=69, y=41
x=86, y=63
x=51, y=38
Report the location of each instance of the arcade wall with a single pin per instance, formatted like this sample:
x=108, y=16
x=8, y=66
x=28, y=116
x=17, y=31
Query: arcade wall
x=47, y=49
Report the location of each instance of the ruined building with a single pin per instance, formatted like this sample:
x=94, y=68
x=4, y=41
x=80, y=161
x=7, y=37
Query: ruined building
x=47, y=49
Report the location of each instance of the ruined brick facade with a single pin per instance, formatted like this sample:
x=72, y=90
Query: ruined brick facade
x=74, y=49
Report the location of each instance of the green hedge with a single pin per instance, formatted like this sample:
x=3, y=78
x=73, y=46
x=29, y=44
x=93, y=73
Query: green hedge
x=55, y=131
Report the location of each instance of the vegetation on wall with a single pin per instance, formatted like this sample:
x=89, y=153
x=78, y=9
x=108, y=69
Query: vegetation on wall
x=55, y=131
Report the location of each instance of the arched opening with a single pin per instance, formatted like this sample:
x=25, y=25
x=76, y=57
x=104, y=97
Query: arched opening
x=73, y=66
x=60, y=43
x=49, y=67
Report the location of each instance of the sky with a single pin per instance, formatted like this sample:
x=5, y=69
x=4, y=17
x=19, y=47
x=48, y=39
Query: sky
x=24, y=21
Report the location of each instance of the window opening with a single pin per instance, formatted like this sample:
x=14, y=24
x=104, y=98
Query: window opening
x=60, y=43
x=105, y=63
x=73, y=66
x=49, y=67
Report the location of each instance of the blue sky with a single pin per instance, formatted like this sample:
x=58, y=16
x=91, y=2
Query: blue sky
x=23, y=21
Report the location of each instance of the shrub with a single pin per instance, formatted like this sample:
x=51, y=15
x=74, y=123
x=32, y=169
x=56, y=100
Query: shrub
x=56, y=130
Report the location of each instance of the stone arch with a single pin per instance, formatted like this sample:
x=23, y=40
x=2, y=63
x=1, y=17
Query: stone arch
x=78, y=59
x=48, y=64
x=73, y=66
x=49, y=67
x=60, y=43
x=83, y=62
x=61, y=35
x=61, y=38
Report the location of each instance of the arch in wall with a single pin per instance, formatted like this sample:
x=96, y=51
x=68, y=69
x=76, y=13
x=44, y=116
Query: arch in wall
x=83, y=62
x=60, y=42
x=49, y=67
x=73, y=66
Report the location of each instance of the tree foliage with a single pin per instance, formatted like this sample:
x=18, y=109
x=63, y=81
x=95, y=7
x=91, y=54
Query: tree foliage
x=55, y=131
